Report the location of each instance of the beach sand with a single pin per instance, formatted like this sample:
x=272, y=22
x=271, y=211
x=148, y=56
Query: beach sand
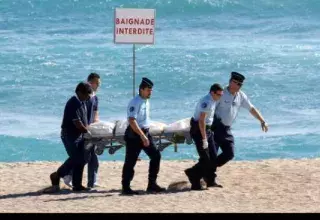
x=273, y=185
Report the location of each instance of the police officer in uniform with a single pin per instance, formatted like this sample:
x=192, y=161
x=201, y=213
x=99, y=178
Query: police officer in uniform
x=203, y=137
x=226, y=112
x=138, y=138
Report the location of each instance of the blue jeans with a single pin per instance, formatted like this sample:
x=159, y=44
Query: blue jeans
x=93, y=166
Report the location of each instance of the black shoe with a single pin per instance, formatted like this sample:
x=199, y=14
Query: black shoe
x=129, y=191
x=198, y=187
x=55, y=179
x=211, y=182
x=192, y=178
x=214, y=184
x=80, y=189
x=155, y=188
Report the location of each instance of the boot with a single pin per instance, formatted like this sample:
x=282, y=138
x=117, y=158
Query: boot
x=214, y=184
x=194, y=180
x=80, y=189
x=55, y=179
x=153, y=187
x=128, y=191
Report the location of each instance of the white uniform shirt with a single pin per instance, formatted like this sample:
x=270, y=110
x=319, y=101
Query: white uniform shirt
x=139, y=109
x=206, y=104
x=228, y=106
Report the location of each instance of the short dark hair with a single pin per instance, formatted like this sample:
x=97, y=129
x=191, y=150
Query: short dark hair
x=84, y=88
x=93, y=76
x=216, y=87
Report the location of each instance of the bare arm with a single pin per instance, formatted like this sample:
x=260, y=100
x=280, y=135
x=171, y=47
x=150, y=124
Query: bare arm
x=80, y=126
x=202, y=125
x=258, y=116
x=95, y=109
x=96, y=116
x=135, y=127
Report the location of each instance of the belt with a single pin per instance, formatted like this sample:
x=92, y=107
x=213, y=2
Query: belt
x=208, y=127
x=145, y=130
x=225, y=126
x=220, y=124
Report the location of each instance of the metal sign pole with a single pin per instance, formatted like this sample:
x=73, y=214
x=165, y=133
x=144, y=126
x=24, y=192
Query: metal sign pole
x=134, y=68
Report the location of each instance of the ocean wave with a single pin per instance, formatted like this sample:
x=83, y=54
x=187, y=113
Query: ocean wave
x=29, y=126
x=263, y=8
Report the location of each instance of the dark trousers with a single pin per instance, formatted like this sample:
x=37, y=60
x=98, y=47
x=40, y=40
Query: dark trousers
x=225, y=140
x=134, y=145
x=93, y=166
x=78, y=157
x=206, y=166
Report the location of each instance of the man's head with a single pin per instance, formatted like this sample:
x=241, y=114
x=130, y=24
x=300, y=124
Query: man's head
x=94, y=80
x=83, y=91
x=145, y=88
x=236, y=81
x=216, y=91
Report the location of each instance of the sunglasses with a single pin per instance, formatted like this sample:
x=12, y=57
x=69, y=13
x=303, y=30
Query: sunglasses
x=218, y=94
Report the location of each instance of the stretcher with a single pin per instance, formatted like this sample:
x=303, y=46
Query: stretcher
x=105, y=135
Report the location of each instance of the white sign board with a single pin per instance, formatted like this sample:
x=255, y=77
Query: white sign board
x=134, y=26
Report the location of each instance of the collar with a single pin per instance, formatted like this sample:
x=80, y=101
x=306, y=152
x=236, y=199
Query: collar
x=210, y=96
x=77, y=97
x=93, y=92
x=227, y=89
x=141, y=98
x=81, y=102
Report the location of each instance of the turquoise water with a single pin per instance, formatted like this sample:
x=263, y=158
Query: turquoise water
x=47, y=47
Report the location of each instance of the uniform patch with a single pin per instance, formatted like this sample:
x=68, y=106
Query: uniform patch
x=131, y=109
x=204, y=105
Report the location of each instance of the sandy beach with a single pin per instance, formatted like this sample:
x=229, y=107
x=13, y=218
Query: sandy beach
x=248, y=186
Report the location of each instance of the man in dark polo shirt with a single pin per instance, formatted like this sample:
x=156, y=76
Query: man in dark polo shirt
x=93, y=116
x=74, y=125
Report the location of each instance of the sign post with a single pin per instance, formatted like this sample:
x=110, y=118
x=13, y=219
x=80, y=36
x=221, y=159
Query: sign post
x=134, y=26
x=134, y=68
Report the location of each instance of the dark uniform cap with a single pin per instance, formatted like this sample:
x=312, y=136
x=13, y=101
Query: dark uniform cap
x=237, y=76
x=147, y=82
